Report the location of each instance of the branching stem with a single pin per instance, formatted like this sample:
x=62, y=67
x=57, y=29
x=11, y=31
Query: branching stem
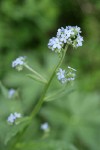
x=38, y=105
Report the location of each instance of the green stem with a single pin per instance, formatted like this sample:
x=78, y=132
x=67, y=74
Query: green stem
x=38, y=106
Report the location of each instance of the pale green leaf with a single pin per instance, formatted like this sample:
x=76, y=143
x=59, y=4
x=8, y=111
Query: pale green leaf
x=46, y=145
x=4, y=90
x=34, y=77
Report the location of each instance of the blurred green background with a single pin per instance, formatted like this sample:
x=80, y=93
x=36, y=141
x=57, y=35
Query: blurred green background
x=25, y=29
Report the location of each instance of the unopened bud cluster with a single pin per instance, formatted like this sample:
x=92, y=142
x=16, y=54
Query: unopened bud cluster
x=69, y=35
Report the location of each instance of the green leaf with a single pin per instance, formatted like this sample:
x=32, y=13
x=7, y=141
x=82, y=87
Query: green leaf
x=4, y=90
x=35, y=78
x=58, y=94
x=45, y=145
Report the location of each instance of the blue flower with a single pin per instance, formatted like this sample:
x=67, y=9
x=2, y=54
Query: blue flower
x=55, y=44
x=69, y=35
x=61, y=75
x=19, y=63
x=11, y=119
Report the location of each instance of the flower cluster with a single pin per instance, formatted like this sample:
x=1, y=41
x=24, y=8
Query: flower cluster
x=11, y=119
x=61, y=75
x=69, y=35
x=19, y=63
x=66, y=76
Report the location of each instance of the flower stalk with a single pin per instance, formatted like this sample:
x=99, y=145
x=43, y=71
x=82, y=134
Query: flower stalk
x=38, y=105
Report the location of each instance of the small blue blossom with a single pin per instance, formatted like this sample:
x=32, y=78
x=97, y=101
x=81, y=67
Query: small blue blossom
x=60, y=32
x=69, y=31
x=11, y=119
x=63, y=38
x=44, y=126
x=61, y=75
x=19, y=63
x=55, y=44
x=11, y=92
x=79, y=40
x=78, y=29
